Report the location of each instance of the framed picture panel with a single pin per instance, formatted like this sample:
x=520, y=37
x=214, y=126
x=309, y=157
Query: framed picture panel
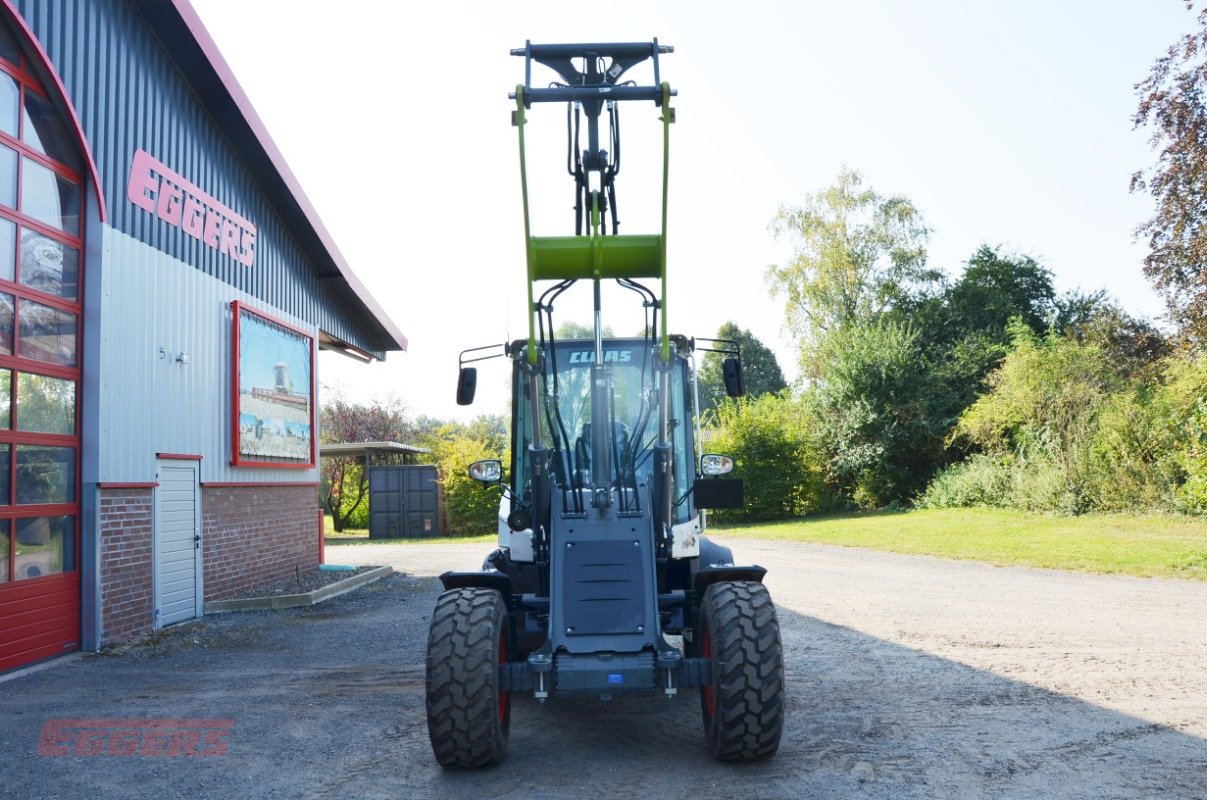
x=273, y=392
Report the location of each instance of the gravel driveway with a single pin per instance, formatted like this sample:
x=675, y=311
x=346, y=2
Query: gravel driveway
x=907, y=677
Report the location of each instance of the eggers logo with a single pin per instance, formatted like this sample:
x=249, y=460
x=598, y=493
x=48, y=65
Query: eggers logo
x=157, y=188
x=135, y=737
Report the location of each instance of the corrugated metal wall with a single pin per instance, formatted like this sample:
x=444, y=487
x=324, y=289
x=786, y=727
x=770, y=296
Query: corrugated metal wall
x=149, y=404
x=130, y=95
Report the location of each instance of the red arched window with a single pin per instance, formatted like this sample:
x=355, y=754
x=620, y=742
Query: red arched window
x=41, y=274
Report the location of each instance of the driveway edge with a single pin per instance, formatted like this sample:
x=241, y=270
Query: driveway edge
x=294, y=600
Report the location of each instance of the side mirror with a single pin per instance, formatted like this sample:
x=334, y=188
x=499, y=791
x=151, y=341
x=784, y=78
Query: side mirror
x=467, y=383
x=712, y=465
x=735, y=381
x=489, y=471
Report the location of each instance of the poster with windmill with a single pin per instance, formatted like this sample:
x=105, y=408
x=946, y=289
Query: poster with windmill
x=275, y=402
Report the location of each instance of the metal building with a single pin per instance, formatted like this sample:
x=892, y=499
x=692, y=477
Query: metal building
x=164, y=288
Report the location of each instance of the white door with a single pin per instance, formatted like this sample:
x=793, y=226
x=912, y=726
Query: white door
x=177, y=544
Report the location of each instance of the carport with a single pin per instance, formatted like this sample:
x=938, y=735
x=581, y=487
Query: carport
x=404, y=496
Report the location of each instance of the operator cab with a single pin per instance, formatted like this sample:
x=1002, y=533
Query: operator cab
x=632, y=409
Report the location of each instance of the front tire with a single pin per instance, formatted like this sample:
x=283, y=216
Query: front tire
x=467, y=714
x=743, y=706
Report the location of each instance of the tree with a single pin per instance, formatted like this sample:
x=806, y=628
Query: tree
x=469, y=508
x=1133, y=345
x=763, y=374
x=856, y=255
x=964, y=329
x=576, y=330
x=344, y=480
x=996, y=288
x=875, y=399
x=1173, y=104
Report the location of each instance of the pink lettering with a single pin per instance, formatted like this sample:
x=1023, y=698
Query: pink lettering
x=247, y=256
x=184, y=741
x=124, y=742
x=55, y=739
x=160, y=190
x=154, y=743
x=194, y=217
x=142, y=181
x=213, y=228
x=90, y=742
x=169, y=203
x=215, y=741
x=135, y=737
x=230, y=239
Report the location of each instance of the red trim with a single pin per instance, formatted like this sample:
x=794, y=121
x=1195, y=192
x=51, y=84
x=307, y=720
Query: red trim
x=237, y=308
x=322, y=540
x=23, y=147
x=23, y=364
x=75, y=241
x=149, y=485
x=32, y=42
x=28, y=510
x=39, y=439
x=255, y=485
x=179, y=456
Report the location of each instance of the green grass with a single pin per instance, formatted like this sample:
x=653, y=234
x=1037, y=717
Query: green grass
x=361, y=536
x=1146, y=546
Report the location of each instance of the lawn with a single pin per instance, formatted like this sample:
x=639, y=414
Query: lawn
x=361, y=536
x=1146, y=546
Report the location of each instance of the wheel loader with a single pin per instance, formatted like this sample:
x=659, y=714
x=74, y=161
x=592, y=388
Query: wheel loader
x=603, y=582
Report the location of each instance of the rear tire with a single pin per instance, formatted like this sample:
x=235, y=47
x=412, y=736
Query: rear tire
x=743, y=706
x=467, y=715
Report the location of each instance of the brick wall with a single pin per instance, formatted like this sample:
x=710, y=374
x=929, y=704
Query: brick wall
x=126, y=588
x=254, y=535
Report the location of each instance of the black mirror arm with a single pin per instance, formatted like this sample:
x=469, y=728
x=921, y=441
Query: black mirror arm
x=730, y=347
x=462, y=360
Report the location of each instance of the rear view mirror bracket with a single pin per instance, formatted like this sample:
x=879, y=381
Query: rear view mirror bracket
x=467, y=377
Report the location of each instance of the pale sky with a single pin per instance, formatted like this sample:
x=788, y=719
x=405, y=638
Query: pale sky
x=1006, y=123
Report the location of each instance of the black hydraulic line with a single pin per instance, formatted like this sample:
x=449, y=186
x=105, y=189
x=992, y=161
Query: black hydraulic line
x=614, y=169
x=649, y=301
x=568, y=466
x=569, y=140
x=615, y=449
x=568, y=460
x=612, y=207
x=580, y=178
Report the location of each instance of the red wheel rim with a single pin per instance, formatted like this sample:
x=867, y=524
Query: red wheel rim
x=504, y=697
x=706, y=652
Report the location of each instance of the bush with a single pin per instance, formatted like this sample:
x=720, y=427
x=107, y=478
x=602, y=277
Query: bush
x=358, y=518
x=1185, y=395
x=770, y=439
x=877, y=404
x=470, y=509
x=981, y=481
x=1135, y=452
x=1028, y=482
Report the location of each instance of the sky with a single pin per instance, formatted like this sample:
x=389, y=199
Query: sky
x=1006, y=123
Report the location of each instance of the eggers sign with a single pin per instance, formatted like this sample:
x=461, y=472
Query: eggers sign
x=160, y=190
x=135, y=737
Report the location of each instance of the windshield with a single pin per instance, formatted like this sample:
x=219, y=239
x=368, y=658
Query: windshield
x=632, y=402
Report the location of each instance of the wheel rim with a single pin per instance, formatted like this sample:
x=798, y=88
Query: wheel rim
x=706, y=652
x=504, y=697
